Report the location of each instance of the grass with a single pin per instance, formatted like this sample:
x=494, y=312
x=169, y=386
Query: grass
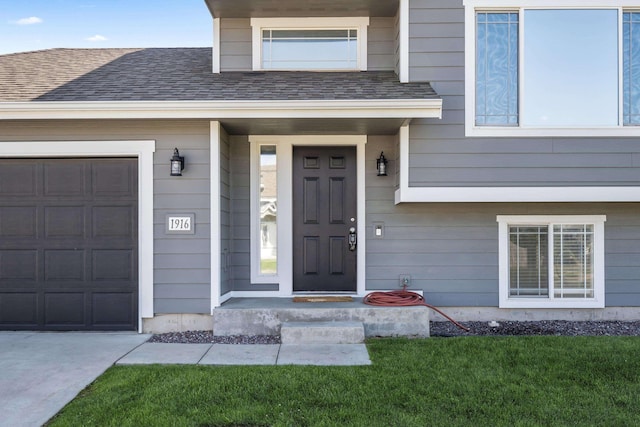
x=268, y=266
x=471, y=381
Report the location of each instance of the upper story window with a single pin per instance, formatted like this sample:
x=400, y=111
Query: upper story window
x=310, y=43
x=631, y=67
x=551, y=68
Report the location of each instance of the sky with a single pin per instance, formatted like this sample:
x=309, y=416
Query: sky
x=27, y=25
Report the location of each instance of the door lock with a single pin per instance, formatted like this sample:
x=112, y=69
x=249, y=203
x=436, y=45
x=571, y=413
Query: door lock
x=353, y=239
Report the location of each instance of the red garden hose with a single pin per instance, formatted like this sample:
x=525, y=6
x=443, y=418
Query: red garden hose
x=404, y=298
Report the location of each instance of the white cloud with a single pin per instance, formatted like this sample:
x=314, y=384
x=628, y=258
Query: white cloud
x=97, y=38
x=29, y=21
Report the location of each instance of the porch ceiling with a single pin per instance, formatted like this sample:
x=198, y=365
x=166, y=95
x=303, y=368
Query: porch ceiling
x=292, y=8
x=286, y=126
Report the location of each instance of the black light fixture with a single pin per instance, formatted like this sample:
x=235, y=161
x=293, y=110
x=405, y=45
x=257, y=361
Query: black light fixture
x=177, y=163
x=381, y=165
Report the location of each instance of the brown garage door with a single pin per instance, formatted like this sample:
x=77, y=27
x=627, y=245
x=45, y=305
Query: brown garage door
x=68, y=244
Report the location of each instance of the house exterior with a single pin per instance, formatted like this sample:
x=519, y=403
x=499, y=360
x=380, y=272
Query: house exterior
x=510, y=128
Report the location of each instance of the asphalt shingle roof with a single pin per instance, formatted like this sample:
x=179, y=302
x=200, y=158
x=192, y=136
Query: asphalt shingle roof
x=179, y=74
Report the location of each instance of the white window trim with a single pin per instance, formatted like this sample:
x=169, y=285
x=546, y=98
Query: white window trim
x=215, y=136
x=215, y=56
x=598, y=301
x=359, y=23
x=143, y=150
x=471, y=130
x=256, y=276
x=403, y=45
x=284, y=152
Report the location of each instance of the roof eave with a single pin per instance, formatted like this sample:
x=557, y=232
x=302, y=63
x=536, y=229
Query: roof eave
x=344, y=109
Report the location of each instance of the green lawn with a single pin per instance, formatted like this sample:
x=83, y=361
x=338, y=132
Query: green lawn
x=472, y=381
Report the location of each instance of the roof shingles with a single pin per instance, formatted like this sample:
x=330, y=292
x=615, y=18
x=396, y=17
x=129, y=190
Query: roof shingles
x=179, y=74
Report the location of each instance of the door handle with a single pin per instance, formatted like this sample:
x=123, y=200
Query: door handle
x=353, y=239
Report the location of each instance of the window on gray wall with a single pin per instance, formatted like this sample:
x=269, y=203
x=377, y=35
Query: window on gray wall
x=551, y=261
x=571, y=259
x=564, y=73
x=497, y=69
x=310, y=49
x=528, y=261
x=631, y=67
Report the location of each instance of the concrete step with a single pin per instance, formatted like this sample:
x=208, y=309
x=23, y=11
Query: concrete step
x=264, y=316
x=322, y=333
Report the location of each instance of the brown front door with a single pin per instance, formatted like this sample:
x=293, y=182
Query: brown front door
x=324, y=211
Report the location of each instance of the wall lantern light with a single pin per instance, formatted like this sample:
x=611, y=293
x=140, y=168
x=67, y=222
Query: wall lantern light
x=381, y=165
x=177, y=163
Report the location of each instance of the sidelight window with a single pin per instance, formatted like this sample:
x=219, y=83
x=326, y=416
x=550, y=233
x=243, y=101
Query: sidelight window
x=264, y=214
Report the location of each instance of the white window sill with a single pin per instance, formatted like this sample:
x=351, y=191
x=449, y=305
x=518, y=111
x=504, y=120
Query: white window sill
x=519, y=132
x=550, y=303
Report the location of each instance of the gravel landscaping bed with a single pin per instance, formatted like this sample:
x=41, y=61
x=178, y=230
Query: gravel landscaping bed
x=207, y=337
x=543, y=327
x=438, y=329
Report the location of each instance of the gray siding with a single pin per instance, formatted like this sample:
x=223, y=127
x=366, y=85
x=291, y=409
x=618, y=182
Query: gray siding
x=440, y=155
x=381, y=49
x=182, y=263
x=225, y=214
x=622, y=258
x=451, y=250
x=240, y=189
x=235, y=44
x=396, y=43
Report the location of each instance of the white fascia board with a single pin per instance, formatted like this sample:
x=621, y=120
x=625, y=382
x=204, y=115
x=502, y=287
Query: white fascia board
x=580, y=4
x=517, y=194
x=384, y=108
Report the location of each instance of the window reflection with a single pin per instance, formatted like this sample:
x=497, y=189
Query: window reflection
x=310, y=49
x=268, y=210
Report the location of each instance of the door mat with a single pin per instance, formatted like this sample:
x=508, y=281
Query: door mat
x=322, y=299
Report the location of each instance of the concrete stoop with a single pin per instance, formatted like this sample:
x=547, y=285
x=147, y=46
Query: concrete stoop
x=322, y=333
x=266, y=316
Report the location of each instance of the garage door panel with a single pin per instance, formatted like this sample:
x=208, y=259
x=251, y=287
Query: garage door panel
x=64, y=222
x=68, y=244
x=113, y=265
x=114, y=179
x=64, y=308
x=64, y=265
x=19, y=178
x=18, y=222
x=113, y=308
x=113, y=221
x=19, y=308
x=18, y=265
x=64, y=178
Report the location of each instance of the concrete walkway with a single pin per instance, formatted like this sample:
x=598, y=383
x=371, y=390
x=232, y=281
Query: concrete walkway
x=249, y=354
x=41, y=372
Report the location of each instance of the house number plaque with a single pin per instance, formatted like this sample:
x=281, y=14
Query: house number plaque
x=180, y=223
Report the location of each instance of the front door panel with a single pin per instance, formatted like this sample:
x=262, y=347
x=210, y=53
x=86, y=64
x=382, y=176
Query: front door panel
x=324, y=210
